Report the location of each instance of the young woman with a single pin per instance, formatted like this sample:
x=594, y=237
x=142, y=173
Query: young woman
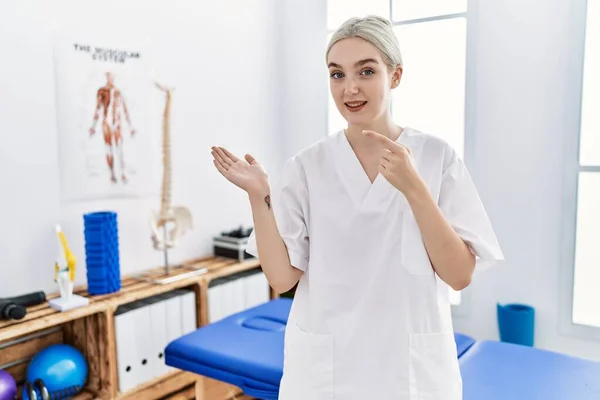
x=374, y=223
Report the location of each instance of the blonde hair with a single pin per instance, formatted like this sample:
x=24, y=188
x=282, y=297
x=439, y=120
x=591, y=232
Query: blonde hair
x=374, y=29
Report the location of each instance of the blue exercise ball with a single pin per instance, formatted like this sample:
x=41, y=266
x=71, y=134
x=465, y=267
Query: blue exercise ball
x=61, y=367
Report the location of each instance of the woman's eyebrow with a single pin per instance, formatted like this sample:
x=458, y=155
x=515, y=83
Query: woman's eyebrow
x=356, y=64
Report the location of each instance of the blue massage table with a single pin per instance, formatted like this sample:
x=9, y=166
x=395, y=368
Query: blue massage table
x=463, y=343
x=503, y=371
x=246, y=349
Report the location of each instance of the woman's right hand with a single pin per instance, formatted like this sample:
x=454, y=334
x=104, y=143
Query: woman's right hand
x=246, y=174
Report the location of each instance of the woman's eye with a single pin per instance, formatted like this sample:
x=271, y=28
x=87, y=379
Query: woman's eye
x=336, y=75
x=368, y=72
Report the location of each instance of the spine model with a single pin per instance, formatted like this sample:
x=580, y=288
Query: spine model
x=173, y=221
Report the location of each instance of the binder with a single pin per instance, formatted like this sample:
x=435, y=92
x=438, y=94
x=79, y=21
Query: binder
x=126, y=349
x=227, y=297
x=217, y=299
x=257, y=290
x=235, y=293
x=158, y=318
x=238, y=286
x=146, y=362
x=213, y=303
x=144, y=328
x=188, y=312
x=263, y=288
x=172, y=319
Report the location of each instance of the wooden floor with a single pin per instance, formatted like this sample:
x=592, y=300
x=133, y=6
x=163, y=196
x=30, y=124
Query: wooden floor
x=189, y=394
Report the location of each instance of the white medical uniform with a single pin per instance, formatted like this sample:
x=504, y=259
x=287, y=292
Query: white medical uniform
x=370, y=318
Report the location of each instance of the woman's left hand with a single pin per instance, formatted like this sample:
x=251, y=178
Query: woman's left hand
x=397, y=164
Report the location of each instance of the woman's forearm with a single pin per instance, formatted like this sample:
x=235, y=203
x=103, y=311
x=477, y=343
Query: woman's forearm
x=449, y=254
x=272, y=252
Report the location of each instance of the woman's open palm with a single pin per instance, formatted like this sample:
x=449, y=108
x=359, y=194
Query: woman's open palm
x=246, y=174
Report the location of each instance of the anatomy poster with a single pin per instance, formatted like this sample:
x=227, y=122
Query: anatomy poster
x=105, y=122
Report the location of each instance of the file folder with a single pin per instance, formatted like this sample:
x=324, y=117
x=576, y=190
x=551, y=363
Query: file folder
x=217, y=299
x=236, y=293
x=127, y=368
x=158, y=319
x=188, y=312
x=238, y=287
x=140, y=314
x=257, y=290
x=172, y=318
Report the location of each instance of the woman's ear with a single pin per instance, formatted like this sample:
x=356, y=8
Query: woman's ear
x=396, y=76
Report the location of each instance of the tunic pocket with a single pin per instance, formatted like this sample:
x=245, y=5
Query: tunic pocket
x=414, y=256
x=308, y=365
x=434, y=372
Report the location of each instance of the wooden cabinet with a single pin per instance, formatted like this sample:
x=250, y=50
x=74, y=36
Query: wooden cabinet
x=91, y=330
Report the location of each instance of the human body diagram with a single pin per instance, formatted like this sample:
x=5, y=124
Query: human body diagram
x=111, y=105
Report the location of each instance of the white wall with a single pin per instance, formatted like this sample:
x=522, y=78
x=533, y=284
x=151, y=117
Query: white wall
x=520, y=97
x=303, y=84
x=221, y=57
x=522, y=117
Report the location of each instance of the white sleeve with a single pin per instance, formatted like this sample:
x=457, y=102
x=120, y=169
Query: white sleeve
x=289, y=202
x=462, y=206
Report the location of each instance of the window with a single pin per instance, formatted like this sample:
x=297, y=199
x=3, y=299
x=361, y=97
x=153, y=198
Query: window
x=432, y=37
x=433, y=80
x=586, y=255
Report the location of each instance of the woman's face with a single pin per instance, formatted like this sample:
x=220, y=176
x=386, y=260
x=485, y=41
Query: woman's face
x=360, y=81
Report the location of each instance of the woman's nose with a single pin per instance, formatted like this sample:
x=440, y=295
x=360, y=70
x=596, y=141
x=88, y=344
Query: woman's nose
x=350, y=88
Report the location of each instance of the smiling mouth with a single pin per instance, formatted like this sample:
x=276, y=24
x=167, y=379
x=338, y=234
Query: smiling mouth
x=355, y=105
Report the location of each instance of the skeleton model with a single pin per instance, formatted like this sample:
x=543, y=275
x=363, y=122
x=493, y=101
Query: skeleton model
x=173, y=221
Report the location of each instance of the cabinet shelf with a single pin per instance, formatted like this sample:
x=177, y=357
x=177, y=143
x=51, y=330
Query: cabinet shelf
x=91, y=329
